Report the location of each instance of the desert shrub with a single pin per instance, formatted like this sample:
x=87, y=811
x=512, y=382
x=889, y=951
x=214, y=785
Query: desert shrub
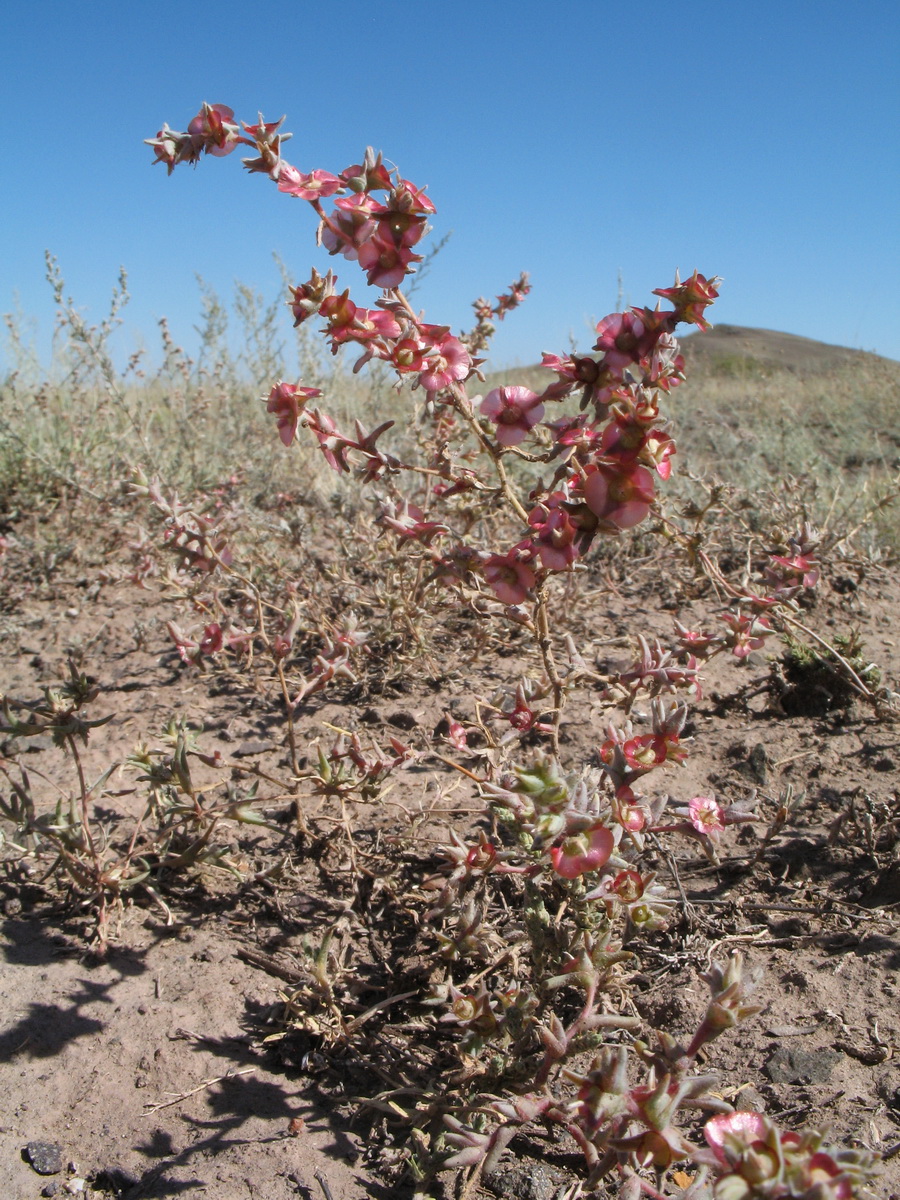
x=480, y=519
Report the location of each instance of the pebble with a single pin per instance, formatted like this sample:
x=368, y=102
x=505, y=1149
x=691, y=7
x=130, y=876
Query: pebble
x=247, y=749
x=402, y=720
x=790, y=1065
x=532, y=1182
x=44, y=1157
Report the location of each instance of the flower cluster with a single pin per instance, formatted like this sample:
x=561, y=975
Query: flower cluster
x=755, y=1159
x=618, y=1124
x=346, y=768
x=193, y=535
x=212, y=131
x=192, y=649
x=486, y=313
x=570, y=828
x=608, y=457
x=749, y=622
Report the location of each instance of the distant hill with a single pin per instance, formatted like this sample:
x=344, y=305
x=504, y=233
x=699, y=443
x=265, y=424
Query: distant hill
x=738, y=346
x=738, y=351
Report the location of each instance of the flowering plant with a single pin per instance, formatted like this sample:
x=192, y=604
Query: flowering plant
x=480, y=524
x=604, y=461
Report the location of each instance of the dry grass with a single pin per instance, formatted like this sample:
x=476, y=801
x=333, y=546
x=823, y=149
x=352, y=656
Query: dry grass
x=778, y=419
x=766, y=413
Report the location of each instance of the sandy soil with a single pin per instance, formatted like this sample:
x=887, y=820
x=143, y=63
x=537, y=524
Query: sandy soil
x=147, y=1065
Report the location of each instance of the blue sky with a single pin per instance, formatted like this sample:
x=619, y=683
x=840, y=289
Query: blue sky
x=577, y=140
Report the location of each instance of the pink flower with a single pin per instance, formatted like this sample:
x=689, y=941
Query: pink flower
x=599, y=383
x=523, y=716
x=331, y=441
x=620, y=494
x=798, y=570
x=409, y=523
x=307, y=299
x=823, y=1170
x=768, y=1162
x=644, y=753
x=371, y=323
x=171, y=147
x=624, y=340
x=623, y=438
x=360, y=206
x=693, y=643
x=384, y=261
x=514, y=410
x=266, y=130
x=747, y=633
x=314, y=186
x=628, y=811
x=190, y=650
x=408, y=355
x=554, y=537
x=214, y=126
x=459, y=739
x=691, y=298
x=577, y=370
x=267, y=139
x=658, y=450
x=706, y=815
x=287, y=402
x=582, y=852
x=338, y=311
x=211, y=642
x=628, y=886
x=372, y=175
x=509, y=578
x=735, y=1132
x=575, y=432
x=448, y=362
x=408, y=198
x=351, y=227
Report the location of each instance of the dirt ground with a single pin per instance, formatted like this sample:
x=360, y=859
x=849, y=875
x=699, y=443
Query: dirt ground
x=147, y=1065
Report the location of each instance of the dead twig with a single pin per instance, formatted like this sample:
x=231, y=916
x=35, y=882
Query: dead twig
x=272, y=966
x=207, y=1083
x=323, y=1184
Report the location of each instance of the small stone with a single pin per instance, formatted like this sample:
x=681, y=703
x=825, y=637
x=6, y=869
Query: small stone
x=44, y=1157
x=790, y=1030
x=532, y=1182
x=402, y=720
x=750, y=1100
x=793, y=1065
x=249, y=749
x=50, y=1189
